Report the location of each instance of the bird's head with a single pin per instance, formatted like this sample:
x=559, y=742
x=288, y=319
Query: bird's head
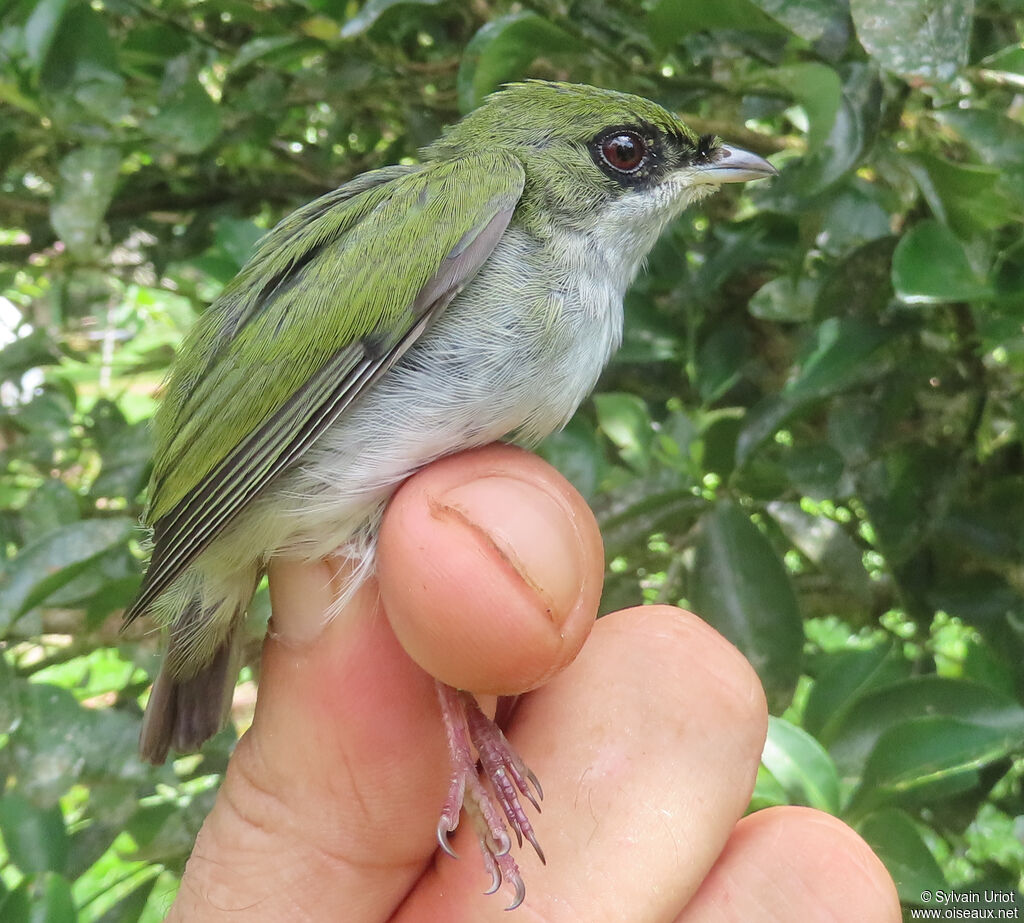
x=594, y=155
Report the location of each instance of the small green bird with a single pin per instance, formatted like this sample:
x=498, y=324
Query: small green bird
x=411, y=313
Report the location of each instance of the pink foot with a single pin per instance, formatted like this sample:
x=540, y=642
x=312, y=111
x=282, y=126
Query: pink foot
x=471, y=734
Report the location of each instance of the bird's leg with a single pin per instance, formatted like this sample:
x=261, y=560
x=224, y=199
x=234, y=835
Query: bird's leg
x=470, y=734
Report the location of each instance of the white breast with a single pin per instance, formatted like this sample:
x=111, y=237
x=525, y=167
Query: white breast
x=514, y=354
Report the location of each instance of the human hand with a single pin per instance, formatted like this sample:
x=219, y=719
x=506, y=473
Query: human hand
x=647, y=744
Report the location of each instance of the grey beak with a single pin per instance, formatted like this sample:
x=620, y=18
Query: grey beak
x=735, y=165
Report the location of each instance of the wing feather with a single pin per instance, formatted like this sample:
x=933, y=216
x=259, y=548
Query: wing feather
x=290, y=295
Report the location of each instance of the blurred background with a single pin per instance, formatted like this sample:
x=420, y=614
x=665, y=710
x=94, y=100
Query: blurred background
x=812, y=435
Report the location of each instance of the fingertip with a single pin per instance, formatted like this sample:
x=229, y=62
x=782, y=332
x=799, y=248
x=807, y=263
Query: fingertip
x=490, y=566
x=814, y=865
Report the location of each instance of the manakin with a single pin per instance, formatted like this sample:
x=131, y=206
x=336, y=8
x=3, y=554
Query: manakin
x=411, y=313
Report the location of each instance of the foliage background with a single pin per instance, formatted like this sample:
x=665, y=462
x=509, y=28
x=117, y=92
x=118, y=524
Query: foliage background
x=812, y=436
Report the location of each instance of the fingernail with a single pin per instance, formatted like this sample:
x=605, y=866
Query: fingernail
x=533, y=533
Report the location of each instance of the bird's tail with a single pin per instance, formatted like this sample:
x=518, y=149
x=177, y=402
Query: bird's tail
x=192, y=694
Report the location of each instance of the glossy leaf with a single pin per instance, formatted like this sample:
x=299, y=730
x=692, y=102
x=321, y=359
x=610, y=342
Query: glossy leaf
x=896, y=839
x=190, y=122
x=501, y=51
x=847, y=676
x=41, y=28
x=827, y=545
x=928, y=753
x=35, y=837
x=801, y=766
x=817, y=88
x=742, y=590
x=56, y=903
x=52, y=561
x=852, y=132
x=58, y=741
x=838, y=359
x=768, y=791
x=670, y=20
x=625, y=420
x=966, y=197
x=915, y=38
x=576, y=452
x=887, y=708
x=88, y=176
x=785, y=300
x=373, y=10
x=930, y=265
x=810, y=19
x=998, y=139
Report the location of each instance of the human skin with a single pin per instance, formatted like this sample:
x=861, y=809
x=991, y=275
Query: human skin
x=645, y=730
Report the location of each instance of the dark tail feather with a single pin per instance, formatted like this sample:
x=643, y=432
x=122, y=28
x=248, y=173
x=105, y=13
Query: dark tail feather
x=183, y=713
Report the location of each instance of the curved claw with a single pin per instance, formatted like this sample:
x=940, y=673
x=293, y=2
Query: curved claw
x=502, y=844
x=442, y=839
x=495, y=879
x=531, y=836
x=531, y=799
x=520, y=895
x=536, y=785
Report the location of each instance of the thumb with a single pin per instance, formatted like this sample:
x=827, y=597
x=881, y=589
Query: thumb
x=490, y=567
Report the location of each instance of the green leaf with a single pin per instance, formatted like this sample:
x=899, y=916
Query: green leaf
x=238, y=238
x=87, y=180
x=932, y=754
x=49, y=563
x=576, y=452
x=742, y=589
x=41, y=27
x=801, y=766
x=261, y=47
x=915, y=38
x=55, y=903
x=810, y=19
x=838, y=359
x=849, y=139
x=768, y=791
x=845, y=677
x=51, y=505
x=82, y=70
x=59, y=742
x=998, y=139
x=14, y=905
x=29, y=351
x=896, y=840
x=827, y=545
x=720, y=361
x=373, y=10
x=855, y=218
x=887, y=708
x=930, y=266
x=818, y=89
x=966, y=197
x=670, y=20
x=190, y=122
x=35, y=837
x=126, y=456
x=1008, y=60
x=626, y=421
x=502, y=50
x=785, y=299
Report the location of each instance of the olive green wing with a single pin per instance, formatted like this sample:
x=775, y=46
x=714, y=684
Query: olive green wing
x=330, y=300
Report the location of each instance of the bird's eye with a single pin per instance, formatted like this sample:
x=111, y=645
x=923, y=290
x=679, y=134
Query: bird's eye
x=624, y=151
